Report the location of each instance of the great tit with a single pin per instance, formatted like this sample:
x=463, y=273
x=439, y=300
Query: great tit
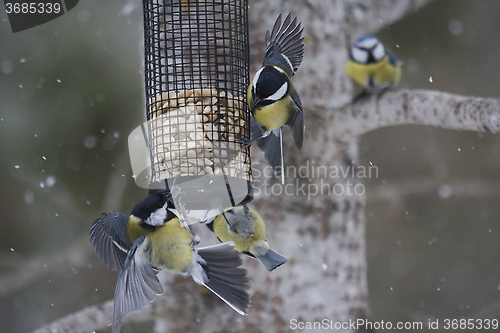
x=271, y=96
x=372, y=67
x=246, y=228
x=152, y=239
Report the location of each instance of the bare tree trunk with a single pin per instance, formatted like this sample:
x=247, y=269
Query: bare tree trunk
x=323, y=235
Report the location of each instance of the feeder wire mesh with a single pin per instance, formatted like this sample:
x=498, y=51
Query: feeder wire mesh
x=196, y=76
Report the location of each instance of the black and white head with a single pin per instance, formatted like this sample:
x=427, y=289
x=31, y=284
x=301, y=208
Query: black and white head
x=153, y=210
x=270, y=84
x=367, y=50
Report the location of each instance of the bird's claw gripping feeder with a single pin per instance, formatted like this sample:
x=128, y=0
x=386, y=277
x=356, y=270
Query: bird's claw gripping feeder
x=196, y=75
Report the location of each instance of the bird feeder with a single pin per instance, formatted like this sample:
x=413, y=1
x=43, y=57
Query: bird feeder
x=196, y=76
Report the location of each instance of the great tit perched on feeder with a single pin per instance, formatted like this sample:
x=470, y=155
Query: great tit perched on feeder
x=151, y=239
x=372, y=67
x=271, y=96
x=246, y=228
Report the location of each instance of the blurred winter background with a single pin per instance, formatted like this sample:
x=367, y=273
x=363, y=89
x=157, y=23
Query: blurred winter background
x=71, y=91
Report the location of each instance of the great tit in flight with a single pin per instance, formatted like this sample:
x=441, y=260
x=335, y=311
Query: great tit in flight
x=151, y=239
x=271, y=97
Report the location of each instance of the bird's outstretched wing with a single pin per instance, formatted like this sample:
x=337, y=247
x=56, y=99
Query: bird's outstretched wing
x=284, y=47
x=297, y=121
x=107, y=236
x=224, y=275
x=137, y=283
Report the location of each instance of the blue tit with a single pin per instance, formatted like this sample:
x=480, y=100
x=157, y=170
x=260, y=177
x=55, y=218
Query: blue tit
x=372, y=67
x=246, y=228
x=151, y=239
x=271, y=96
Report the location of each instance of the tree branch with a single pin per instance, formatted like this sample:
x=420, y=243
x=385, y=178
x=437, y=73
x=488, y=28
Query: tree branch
x=98, y=317
x=195, y=300
x=417, y=107
x=88, y=319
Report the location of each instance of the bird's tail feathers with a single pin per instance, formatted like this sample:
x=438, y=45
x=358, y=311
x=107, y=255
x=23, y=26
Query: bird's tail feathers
x=272, y=146
x=222, y=274
x=272, y=259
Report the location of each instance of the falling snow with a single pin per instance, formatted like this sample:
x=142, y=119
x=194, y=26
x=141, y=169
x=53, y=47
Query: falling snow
x=444, y=191
x=29, y=197
x=50, y=181
x=89, y=141
x=455, y=27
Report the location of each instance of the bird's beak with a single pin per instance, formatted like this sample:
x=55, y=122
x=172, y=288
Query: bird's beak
x=256, y=100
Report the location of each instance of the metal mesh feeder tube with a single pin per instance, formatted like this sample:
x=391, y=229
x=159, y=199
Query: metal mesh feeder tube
x=196, y=75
